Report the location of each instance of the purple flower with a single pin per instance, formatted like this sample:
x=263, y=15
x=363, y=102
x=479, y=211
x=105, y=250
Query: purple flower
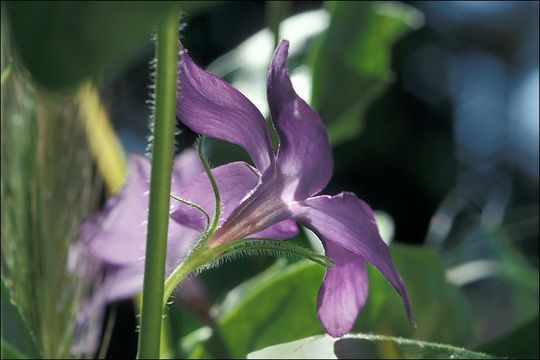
x=116, y=236
x=265, y=201
x=115, y=240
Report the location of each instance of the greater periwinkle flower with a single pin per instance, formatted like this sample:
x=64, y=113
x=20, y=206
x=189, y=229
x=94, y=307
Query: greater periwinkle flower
x=267, y=200
x=116, y=236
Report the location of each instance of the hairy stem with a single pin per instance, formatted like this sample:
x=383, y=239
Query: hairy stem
x=160, y=183
x=210, y=230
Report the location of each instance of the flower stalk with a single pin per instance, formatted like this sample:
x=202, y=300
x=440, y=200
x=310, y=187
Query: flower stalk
x=160, y=183
x=212, y=228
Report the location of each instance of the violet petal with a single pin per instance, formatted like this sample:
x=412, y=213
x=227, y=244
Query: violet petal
x=347, y=221
x=123, y=283
x=263, y=208
x=209, y=106
x=186, y=166
x=343, y=292
x=304, y=151
x=234, y=181
x=280, y=231
x=117, y=235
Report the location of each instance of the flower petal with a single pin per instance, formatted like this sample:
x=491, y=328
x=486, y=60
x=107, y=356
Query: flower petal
x=127, y=281
x=282, y=230
x=123, y=283
x=119, y=230
x=186, y=166
x=304, y=151
x=262, y=208
x=343, y=292
x=234, y=181
x=347, y=221
x=117, y=234
x=209, y=106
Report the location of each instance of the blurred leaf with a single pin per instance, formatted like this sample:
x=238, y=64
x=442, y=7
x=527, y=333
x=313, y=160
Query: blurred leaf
x=494, y=244
x=51, y=187
x=17, y=339
x=279, y=305
x=255, y=314
x=440, y=309
x=351, y=63
x=191, y=346
x=283, y=297
x=8, y=352
x=103, y=142
x=63, y=43
x=5, y=73
x=521, y=343
x=364, y=347
x=500, y=284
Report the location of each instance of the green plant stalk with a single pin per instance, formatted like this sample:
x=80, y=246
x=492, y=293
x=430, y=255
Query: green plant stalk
x=200, y=256
x=217, y=213
x=160, y=184
x=190, y=264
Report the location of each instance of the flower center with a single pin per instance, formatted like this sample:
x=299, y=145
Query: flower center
x=264, y=208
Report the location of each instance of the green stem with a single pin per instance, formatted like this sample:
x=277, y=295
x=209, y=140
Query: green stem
x=193, y=205
x=201, y=255
x=192, y=262
x=160, y=184
x=208, y=171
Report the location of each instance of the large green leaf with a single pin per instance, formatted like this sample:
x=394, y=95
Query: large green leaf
x=522, y=343
x=501, y=286
x=279, y=305
x=17, y=339
x=441, y=311
x=351, y=63
x=364, y=347
x=50, y=189
x=63, y=43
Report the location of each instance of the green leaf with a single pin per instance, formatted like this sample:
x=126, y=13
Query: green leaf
x=285, y=297
x=354, y=57
x=522, y=343
x=500, y=283
x=17, y=339
x=8, y=352
x=50, y=189
x=362, y=346
x=440, y=308
x=254, y=314
x=277, y=300
x=63, y=43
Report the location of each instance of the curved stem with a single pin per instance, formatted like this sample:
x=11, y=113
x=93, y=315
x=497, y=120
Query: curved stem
x=160, y=184
x=208, y=171
x=190, y=264
x=201, y=255
x=193, y=205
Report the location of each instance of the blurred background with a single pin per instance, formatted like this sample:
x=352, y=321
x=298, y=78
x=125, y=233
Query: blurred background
x=432, y=111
